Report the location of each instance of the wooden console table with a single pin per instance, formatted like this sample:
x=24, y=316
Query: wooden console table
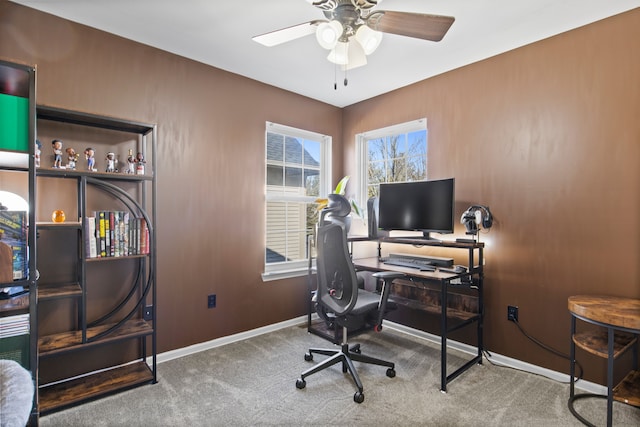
x=620, y=318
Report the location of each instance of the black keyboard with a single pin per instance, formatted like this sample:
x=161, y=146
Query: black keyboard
x=409, y=263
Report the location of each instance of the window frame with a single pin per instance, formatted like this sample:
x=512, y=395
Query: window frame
x=286, y=269
x=362, y=154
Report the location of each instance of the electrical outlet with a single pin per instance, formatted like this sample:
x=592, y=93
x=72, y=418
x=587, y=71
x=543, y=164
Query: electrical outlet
x=148, y=313
x=211, y=301
x=512, y=313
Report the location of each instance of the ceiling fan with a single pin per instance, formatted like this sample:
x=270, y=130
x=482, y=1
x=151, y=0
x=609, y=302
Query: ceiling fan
x=353, y=29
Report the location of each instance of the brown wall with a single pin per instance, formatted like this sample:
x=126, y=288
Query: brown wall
x=546, y=135
x=211, y=126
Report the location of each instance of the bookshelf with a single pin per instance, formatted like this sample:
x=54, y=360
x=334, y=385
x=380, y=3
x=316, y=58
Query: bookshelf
x=17, y=179
x=100, y=331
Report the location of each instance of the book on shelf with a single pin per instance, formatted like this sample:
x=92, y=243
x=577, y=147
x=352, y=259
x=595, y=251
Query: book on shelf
x=107, y=234
x=100, y=226
x=13, y=246
x=125, y=233
x=91, y=247
x=115, y=234
x=14, y=325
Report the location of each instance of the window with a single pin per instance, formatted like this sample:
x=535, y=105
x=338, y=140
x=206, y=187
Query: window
x=297, y=173
x=393, y=154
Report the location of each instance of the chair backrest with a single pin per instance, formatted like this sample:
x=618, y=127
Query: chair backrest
x=337, y=281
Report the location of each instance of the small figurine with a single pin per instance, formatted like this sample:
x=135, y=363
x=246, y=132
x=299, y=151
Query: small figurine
x=37, y=153
x=72, y=158
x=57, y=153
x=140, y=163
x=111, y=162
x=89, y=154
x=131, y=161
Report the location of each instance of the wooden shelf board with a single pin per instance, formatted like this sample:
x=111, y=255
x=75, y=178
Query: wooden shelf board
x=68, y=393
x=48, y=225
x=596, y=342
x=433, y=309
x=628, y=390
x=50, y=292
x=69, y=341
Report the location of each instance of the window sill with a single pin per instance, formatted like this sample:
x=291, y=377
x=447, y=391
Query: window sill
x=284, y=274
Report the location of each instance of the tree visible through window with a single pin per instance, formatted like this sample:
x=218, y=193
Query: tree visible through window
x=393, y=154
x=295, y=170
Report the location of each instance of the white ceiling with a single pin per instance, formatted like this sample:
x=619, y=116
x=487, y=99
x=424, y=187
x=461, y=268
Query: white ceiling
x=219, y=32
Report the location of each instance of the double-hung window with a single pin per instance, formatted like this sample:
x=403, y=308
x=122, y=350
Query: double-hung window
x=393, y=154
x=297, y=173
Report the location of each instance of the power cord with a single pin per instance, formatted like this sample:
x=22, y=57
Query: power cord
x=487, y=355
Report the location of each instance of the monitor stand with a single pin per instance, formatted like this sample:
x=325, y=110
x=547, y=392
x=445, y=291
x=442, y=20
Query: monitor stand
x=426, y=235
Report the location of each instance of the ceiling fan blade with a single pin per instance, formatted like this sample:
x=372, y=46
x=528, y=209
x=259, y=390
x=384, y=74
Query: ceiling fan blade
x=417, y=25
x=284, y=35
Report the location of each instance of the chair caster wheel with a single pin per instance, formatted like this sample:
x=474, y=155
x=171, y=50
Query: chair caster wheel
x=391, y=373
x=300, y=383
x=308, y=357
x=358, y=397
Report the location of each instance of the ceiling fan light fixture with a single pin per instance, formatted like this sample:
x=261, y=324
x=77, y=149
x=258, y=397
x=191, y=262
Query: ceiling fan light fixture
x=328, y=34
x=339, y=54
x=356, y=56
x=368, y=38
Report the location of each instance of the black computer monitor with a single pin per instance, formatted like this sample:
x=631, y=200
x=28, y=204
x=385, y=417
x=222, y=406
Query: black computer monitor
x=426, y=206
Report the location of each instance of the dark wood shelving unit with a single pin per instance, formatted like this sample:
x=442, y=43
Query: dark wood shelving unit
x=51, y=292
x=66, y=394
x=51, y=345
x=110, y=320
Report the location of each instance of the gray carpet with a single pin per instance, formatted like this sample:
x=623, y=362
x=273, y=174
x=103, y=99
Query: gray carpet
x=252, y=382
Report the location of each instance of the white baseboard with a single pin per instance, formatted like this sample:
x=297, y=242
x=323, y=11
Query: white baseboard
x=499, y=359
x=495, y=358
x=207, y=345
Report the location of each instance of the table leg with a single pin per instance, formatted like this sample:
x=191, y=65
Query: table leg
x=611, y=334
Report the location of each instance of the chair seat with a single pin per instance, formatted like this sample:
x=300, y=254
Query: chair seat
x=366, y=302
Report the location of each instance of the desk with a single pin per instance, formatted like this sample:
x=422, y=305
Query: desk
x=446, y=313
x=621, y=319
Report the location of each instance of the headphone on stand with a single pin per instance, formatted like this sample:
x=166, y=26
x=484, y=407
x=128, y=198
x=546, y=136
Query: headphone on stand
x=476, y=216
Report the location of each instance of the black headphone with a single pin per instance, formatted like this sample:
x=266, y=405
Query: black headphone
x=475, y=216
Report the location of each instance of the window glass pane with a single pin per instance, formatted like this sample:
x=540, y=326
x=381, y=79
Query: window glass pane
x=311, y=154
x=376, y=172
x=373, y=190
x=293, y=178
x=417, y=142
x=275, y=146
x=395, y=157
x=375, y=150
x=287, y=229
x=275, y=175
x=312, y=182
x=416, y=168
x=293, y=150
x=396, y=146
x=396, y=170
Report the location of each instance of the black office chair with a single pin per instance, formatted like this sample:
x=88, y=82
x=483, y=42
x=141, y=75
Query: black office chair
x=338, y=292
